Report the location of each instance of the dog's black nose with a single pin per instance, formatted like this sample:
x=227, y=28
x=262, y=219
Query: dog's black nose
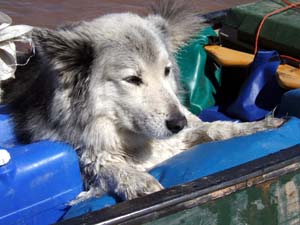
x=176, y=124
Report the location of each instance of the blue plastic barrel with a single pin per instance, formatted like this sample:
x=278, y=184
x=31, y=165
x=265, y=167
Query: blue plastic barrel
x=38, y=181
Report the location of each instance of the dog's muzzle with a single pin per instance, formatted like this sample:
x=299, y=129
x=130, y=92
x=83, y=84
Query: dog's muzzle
x=176, y=123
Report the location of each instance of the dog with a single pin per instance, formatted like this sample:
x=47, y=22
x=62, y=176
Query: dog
x=110, y=88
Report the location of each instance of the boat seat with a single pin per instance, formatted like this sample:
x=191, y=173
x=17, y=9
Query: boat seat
x=229, y=57
x=288, y=76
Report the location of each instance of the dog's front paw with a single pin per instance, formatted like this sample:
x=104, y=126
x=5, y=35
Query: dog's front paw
x=140, y=184
x=85, y=195
x=272, y=122
x=267, y=123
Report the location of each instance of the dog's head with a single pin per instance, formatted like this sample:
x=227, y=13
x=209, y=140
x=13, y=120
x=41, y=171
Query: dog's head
x=122, y=66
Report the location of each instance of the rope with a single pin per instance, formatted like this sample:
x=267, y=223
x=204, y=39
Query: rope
x=290, y=3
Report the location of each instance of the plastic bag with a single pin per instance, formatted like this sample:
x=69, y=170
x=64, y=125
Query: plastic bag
x=8, y=35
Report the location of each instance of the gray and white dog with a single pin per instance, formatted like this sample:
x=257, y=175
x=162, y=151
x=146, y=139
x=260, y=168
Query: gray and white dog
x=110, y=88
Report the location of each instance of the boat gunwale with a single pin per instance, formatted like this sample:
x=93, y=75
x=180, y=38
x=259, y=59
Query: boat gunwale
x=195, y=193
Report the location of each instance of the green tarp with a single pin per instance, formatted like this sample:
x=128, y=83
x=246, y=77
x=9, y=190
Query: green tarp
x=195, y=74
x=281, y=32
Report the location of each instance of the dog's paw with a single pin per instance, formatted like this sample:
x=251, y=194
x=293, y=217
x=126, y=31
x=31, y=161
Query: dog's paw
x=85, y=195
x=269, y=122
x=140, y=184
x=272, y=122
x=80, y=198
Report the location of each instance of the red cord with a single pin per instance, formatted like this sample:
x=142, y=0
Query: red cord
x=289, y=6
x=290, y=58
x=290, y=3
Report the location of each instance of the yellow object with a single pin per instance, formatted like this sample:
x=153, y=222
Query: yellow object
x=229, y=57
x=288, y=76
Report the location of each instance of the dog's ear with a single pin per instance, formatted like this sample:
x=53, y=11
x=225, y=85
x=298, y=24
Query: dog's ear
x=69, y=52
x=176, y=20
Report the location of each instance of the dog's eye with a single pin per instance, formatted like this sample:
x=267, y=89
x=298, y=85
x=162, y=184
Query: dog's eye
x=167, y=70
x=134, y=80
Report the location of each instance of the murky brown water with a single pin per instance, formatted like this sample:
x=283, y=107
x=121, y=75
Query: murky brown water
x=51, y=13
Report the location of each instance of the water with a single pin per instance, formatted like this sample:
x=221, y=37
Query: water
x=48, y=13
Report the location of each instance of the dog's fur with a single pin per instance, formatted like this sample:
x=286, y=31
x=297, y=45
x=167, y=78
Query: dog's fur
x=109, y=87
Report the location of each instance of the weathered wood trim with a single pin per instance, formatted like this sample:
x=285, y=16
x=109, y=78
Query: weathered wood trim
x=145, y=209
